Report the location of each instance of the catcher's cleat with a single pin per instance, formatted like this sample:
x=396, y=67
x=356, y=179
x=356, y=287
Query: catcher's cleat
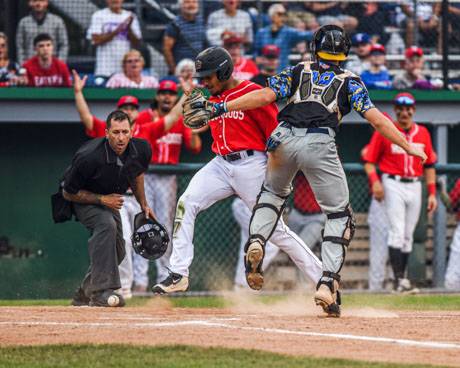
x=79, y=298
x=253, y=263
x=173, y=283
x=328, y=297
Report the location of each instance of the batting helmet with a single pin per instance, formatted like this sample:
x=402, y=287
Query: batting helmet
x=330, y=42
x=214, y=60
x=150, y=238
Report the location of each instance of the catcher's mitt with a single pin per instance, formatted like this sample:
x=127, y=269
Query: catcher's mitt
x=197, y=110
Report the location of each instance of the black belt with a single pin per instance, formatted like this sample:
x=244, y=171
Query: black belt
x=235, y=156
x=308, y=130
x=403, y=180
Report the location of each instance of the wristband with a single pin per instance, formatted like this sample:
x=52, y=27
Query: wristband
x=431, y=188
x=373, y=177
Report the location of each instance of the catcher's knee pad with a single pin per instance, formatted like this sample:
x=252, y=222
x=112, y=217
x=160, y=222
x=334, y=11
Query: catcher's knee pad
x=266, y=213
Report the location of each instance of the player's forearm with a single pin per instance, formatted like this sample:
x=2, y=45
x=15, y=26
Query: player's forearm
x=195, y=143
x=175, y=113
x=252, y=100
x=430, y=180
x=371, y=172
x=83, y=110
x=137, y=186
x=386, y=128
x=83, y=197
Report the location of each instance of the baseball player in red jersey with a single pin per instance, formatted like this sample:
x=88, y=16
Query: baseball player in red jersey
x=452, y=278
x=400, y=187
x=134, y=267
x=238, y=169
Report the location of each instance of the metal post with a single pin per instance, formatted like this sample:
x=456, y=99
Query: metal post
x=415, y=18
x=440, y=217
x=445, y=42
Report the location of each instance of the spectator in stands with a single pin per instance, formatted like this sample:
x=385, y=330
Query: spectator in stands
x=185, y=36
x=412, y=76
x=10, y=72
x=333, y=12
x=243, y=68
x=113, y=31
x=45, y=70
x=298, y=15
x=427, y=22
x=376, y=76
x=373, y=18
x=133, y=64
x=40, y=21
x=361, y=43
x=280, y=35
x=229, y=19
x=185, y=69
x=269, y=62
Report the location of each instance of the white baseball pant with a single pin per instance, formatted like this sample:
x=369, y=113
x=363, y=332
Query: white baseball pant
x=242, y=215
x=161, y=193
x=452, y=279
x=378, y=248
x=220, y=179
x=403, y=202
x=307, y=226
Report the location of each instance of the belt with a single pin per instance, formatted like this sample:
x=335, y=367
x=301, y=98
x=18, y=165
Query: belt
x=304, y=131
x=403, y=179
x=235, y=156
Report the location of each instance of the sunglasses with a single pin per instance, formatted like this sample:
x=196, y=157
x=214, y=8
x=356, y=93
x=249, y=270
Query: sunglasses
x=404, y=101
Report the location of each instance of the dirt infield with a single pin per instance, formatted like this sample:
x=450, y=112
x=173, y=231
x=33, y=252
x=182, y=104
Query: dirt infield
x=289, y=327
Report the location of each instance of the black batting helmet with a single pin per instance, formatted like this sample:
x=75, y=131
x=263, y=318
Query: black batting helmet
x=330, y=42
x=214, y=60
x=150, y=238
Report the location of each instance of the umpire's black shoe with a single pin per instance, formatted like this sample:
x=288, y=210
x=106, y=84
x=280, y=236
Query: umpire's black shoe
x=173, y=283
x=106, y=298
x=80, y=299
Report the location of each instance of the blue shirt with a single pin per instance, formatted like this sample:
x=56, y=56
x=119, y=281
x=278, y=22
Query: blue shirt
x=380, y=80
x=285, y=39
x=190, y=37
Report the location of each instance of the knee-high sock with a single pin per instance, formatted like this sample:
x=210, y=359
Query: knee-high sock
x=396, y=262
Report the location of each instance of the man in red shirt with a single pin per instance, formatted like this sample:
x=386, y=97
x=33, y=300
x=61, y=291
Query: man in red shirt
x=452, y=278
x=45, y=70
x=400, y=187
x=238, y=169
x=243, y=68
x=163, y=124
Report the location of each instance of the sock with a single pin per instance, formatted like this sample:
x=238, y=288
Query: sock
x=404, y=259
x=396, y=262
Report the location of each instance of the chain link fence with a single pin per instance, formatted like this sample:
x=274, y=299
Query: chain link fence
x=218, y=237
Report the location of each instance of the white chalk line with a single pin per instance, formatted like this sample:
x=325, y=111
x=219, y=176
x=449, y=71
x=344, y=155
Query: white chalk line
x=207, y=323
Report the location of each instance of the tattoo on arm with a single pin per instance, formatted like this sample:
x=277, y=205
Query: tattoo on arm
x=84, y=197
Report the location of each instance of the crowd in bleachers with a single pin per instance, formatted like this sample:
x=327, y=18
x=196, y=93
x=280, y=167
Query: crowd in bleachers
x=115, y=34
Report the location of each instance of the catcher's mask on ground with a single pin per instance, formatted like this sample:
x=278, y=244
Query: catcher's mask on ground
x=331, y=43
x=150, y=238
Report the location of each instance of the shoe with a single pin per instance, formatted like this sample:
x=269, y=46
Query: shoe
x=125, y=293
x=173, y=283
x=253, y=263
x=327, y=296
x=404, y=287
x=79, y=299
x=107, y=298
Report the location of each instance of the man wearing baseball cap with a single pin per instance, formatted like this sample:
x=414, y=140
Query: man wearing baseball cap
x=269, y=62
x=376, y=76
x=413, y=77
x=243, y=68
x=361, y=47
x=400, y=186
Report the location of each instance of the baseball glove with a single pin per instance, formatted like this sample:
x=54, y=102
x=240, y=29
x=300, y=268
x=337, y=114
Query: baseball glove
x=197, y=110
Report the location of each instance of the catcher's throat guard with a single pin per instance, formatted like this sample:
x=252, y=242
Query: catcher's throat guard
x=150, y=238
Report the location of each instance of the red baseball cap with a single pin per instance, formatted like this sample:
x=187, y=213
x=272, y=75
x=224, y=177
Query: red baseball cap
x=404, y=99
x=377, y=49
x=413, y=51
x=167, y=85
x=230, y=38
x=128, y=100
x=271, y=51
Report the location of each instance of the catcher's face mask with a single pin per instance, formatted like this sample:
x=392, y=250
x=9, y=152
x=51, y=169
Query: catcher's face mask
x=150, y=238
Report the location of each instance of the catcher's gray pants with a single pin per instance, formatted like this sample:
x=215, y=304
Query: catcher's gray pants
x=106, y=247
x=315, y=154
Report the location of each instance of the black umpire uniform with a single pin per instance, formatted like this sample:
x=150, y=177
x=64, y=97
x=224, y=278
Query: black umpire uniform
x=98, y=169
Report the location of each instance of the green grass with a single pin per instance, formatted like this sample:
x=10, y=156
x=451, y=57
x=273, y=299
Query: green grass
x=106, y=356
x=381, y=301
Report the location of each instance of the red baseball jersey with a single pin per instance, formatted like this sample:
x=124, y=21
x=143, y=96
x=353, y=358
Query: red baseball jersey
x=57, y=75
x=246, y=69
x=392, y=159
x=304, y=198
x=455, y=198
x=241, y=130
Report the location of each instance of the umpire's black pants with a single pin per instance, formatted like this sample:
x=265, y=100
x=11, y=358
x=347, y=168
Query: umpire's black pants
x=106, y=247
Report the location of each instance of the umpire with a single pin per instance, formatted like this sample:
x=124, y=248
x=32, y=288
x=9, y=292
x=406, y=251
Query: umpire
x=101, y=172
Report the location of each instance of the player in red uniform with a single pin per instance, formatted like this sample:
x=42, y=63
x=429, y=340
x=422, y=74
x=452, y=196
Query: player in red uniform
x=400, y=187
x=165, y=136
x=238, y=169
x=452, y=278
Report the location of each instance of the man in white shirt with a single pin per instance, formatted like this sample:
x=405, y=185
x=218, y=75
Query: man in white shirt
x=112, y=30
x=230, y=18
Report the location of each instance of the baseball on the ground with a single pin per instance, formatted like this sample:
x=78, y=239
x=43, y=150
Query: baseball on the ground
x=113, y=300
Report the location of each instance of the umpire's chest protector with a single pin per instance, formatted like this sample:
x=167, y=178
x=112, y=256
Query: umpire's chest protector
x=319, y=96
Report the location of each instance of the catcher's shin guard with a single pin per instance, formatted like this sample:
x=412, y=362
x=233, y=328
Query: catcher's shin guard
x=253, y=258
x=327, y=294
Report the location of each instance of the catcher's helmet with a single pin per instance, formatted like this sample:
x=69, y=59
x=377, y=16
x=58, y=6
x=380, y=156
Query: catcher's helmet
x=150, y=238
x=330, y=42
x=214, y=60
